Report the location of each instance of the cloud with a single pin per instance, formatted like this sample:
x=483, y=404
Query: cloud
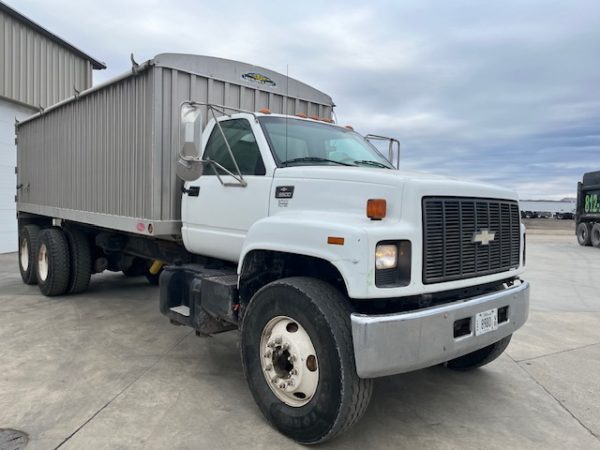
x=505, y=92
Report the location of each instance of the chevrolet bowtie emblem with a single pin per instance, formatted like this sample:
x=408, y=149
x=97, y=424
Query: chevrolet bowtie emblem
x=484, y=237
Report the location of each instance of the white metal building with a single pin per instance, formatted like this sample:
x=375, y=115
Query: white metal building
x=37, y=69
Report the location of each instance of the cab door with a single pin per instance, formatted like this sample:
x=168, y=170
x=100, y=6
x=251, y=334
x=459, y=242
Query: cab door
x=216, y=221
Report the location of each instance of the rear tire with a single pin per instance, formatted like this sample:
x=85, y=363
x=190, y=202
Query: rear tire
x=28, y=243
x=52, y=264
x=595, y=235
x=479, y=357
x=338, y=398
x=81, y=261
x=583, y=234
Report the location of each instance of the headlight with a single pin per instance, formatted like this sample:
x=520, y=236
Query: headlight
x=386, y=256
x=392, y=264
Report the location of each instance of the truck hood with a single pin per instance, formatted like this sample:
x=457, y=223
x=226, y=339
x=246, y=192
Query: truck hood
x=425, y=182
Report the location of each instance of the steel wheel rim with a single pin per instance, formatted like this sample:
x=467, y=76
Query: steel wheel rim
x=289, y=361
x=24, y=255
x=42, y=262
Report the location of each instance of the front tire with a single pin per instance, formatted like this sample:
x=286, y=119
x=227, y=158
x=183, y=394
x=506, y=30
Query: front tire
x=284, y=323
x=28, y=243
x=52, y=263
x=479, y=357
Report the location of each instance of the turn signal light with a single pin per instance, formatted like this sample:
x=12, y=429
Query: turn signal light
x=334, y=240
x=376, y=208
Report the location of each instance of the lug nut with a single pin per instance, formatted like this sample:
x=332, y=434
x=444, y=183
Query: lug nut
x=293, y=372
x=268, y=354
x=290, y=383
x=282, y=386
x=269, y=367
x=278, y=340
x=271, y=344
x=274, y=380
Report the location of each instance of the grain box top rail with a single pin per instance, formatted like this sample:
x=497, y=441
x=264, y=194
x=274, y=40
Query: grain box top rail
x=228, y=71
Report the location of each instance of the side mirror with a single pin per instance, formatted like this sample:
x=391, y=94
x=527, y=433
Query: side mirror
x=392, y=150
x=189, y=165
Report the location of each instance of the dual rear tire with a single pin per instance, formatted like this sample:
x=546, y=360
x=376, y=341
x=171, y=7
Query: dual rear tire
x=58, y=260
x=588, y=234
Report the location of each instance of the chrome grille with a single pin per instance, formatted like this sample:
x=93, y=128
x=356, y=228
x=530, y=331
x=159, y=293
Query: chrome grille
x=449, y=225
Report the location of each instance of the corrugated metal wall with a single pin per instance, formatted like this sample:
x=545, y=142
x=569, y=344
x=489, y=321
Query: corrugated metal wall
x=94, y=154
x=109, y=156
x=35, y=70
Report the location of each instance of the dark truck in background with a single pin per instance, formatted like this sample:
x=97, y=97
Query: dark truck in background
x=587, y=214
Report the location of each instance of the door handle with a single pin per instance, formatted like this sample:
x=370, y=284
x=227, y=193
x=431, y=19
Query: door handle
x=193, y=191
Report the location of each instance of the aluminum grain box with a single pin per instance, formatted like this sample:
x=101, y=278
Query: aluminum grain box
x=107, y=157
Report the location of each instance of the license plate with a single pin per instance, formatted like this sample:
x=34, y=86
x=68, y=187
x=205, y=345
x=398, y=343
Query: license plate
x=486, y=321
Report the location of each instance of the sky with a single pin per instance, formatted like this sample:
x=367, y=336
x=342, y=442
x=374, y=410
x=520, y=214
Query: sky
x=503, y=92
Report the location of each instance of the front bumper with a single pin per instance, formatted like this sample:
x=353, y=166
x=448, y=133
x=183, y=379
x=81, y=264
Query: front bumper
x=397, y=343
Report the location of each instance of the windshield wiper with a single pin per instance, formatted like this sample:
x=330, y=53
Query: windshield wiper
x=314, y=159
x=372, y=163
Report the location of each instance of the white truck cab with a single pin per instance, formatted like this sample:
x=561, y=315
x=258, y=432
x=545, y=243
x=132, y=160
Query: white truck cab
x=446, y=253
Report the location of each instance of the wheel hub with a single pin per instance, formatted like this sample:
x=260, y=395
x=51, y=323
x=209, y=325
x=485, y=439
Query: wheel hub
x=43, y=262
x=24, y=254
x=289, y=361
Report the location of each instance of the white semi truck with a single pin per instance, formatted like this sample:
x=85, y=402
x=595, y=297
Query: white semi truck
x=335, y=266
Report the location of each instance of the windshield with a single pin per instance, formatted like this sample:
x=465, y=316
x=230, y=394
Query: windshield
x=300, y=142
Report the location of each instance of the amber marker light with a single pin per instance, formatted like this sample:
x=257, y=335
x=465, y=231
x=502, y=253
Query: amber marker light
x=264, y=111
x=376, y=208
x=333, y=240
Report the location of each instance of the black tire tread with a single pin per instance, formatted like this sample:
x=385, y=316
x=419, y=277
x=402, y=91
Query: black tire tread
x=57, y=281
x=81, y=261
x=595, y=235
x=31, y=233
x=480, y=357
x=337, y=309
x=583, y=234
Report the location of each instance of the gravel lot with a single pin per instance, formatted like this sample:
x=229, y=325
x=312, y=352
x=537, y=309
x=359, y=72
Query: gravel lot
x=106, y=370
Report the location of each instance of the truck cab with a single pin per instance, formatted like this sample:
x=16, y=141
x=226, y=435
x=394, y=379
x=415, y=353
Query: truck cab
x=427, y=269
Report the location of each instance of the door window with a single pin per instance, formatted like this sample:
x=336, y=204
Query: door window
x=243, y=146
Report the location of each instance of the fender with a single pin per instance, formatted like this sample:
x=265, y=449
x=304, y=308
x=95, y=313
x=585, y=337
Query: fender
x=307, y=234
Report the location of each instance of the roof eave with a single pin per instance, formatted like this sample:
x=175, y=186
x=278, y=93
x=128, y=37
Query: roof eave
x=98, y=65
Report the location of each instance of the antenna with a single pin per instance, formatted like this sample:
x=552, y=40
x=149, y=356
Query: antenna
x=287, y=106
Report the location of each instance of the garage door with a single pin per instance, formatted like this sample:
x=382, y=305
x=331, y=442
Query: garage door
x=8, y=180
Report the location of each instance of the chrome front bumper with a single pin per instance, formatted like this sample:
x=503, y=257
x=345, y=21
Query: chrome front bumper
x=397, y=343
